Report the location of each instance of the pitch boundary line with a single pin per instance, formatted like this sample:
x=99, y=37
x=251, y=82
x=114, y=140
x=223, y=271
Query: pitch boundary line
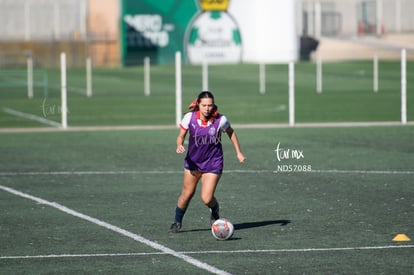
x=32, y=117
x=116, y=229
x=327, y=249
x=395, y=172
x=172, y=127
x=159, y=172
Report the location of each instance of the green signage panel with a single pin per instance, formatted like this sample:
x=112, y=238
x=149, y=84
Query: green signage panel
x=154, y=29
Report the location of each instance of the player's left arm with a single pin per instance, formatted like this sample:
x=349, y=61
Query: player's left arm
x=233, y=137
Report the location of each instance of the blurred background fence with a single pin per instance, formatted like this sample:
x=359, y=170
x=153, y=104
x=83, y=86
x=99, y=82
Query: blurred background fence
x=354, y=17
x=347, y=94
x=43, y=29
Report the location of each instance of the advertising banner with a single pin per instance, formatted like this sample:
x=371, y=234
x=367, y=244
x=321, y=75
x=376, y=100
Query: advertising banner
x=154, y=28
x=213, y=36
x=208, y=31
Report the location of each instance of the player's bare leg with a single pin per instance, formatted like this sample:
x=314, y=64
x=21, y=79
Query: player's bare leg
x=191, y=179
x=209, y=183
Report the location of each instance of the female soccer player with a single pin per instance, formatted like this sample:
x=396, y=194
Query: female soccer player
x=204, y=159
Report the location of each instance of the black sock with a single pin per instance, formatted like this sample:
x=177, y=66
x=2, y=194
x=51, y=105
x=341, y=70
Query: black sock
x=179, y=214
x=215, y=210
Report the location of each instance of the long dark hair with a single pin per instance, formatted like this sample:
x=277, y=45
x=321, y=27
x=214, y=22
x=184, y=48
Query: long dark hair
x=204, y=94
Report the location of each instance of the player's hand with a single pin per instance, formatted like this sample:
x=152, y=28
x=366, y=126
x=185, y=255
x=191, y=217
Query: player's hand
x=180, y=149
x=241, y=157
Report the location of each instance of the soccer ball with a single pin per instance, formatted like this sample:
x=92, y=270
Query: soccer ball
x=222, y=229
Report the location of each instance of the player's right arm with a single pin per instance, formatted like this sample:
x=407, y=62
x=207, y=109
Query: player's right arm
x=180, y=141
x=185, y=123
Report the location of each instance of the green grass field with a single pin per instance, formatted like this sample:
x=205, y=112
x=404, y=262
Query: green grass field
x=101, y=201
x=340, y=217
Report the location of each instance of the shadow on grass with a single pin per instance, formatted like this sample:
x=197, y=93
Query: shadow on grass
x=247, y=225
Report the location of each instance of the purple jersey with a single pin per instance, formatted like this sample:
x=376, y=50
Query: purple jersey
x=205, y=152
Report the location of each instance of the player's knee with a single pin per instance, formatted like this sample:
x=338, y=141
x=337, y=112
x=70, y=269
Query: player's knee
x=206, y=198
x=185, y=198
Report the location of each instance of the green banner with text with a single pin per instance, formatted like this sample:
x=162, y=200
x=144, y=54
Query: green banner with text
x=154, y=29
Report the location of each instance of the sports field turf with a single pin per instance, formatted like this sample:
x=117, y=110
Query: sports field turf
x=339, y=218
x=88, y=202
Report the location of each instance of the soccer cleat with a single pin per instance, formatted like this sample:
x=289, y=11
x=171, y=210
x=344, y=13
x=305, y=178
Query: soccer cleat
x=175, y=228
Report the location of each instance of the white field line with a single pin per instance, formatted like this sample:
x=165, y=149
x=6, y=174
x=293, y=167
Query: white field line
x=159, y=172
x=118, y=230
x=392, y=172
x=31, y=117
x=169, y=127
x=246, y=251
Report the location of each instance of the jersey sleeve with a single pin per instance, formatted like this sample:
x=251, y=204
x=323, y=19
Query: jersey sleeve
x=185, y=122
x=224, y=123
